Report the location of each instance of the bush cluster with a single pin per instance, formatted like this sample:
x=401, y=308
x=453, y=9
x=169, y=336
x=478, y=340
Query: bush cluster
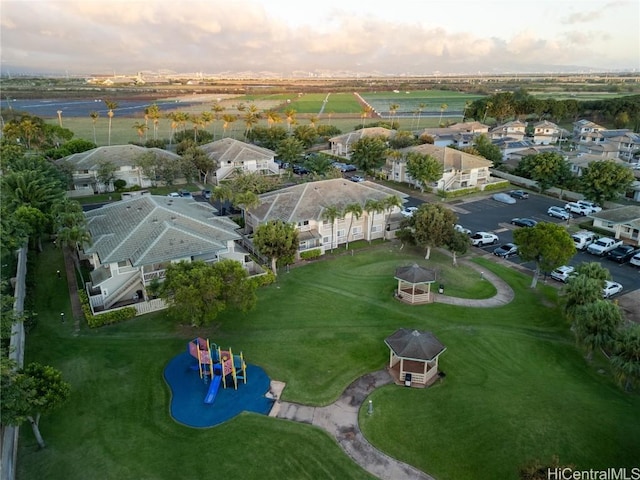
x=310, y=254
x=106, y=318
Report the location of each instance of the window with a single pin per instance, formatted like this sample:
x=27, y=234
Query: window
x=326, y=239
x=375, y=228
x=357, y=230
x=326, y=222
x=340, y=233
x=123, y=263
x=306, y=222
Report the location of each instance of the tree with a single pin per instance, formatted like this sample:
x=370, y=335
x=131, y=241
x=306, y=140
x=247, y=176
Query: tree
x=548, y=169
x=389, y=203
x=228, y=119
x=290, y=115
x=198, y=292
x=423, y=168
x=421, y=108
x=306, y=134
x=432, y=226
x=29, y=393
x=625, y=357
x=33, y=222
x=330, y=214
x=111, y=106
x=94, y=118
x=372, y=207
x=364, y=113
x=403, y=139
x=355, y=210
x=273, y=118
x=584, y=288
x=201, y=161
x=458, y=244
x=140, y=129
x=605, y=180
x=153, y=112
x=290, y=149
x=368, y=153
x=393, y=108
x=547, y=244
x=443, y=107
x=106, y=172
x=217, y=110
x=488, y=150
x=595, y=325
x=276, y=240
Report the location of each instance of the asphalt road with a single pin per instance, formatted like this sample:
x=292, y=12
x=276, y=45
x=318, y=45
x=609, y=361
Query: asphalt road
x=489, y=215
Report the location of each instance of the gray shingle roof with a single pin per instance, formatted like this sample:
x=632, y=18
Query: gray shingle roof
x=414, y=344
x=416, y=274
x=308, y=200
x=153, y=229
x=231, y=150
x=119, y=155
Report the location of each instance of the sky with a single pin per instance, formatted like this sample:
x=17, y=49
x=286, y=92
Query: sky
x=307, y=37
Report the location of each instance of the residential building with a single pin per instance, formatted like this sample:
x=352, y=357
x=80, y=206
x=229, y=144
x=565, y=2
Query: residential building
x=514, y=130
x=233, y=155
x=546, y=133
x=133, y=242
x=582, y=127
x=85, y=167
x=342, y=145
x=459, y=134
x=460, y=169
x=622, y=222
x=304, y=205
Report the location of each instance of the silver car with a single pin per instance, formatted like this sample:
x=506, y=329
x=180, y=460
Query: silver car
x=559, y=212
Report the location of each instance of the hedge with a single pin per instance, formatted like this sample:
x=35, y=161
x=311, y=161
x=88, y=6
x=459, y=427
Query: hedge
x=310, y=254
x=106, y=318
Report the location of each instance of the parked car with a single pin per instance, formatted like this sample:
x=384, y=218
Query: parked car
x=563, y=273
x=206, y=194
x=408, y=211
x=595, y=208
x=173, y=195
x=523, y=222
x=559, y=212
x=461, y=229
x=575, y=207
x=507, y=250
x=635, y=260
x=300, y=170
x=611, y=288
x=504, y=198
x=583, y=239
x=621, y=254
x=521, y=194
x=186, y=194
x=480, y=239
x=356, y=178
x=603, y=245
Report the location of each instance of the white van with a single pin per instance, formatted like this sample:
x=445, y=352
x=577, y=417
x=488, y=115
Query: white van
x=583, y=239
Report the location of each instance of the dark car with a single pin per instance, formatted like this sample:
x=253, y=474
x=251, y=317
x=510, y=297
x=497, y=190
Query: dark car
x=507, y=250
x=519, y=194
x=300, y=170
x=524, y=222
x=621, y=254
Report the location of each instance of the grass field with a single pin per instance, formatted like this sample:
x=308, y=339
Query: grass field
x=516, y=388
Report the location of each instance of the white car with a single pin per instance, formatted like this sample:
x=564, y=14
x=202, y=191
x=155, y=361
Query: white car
x=480, y=239
x=635, y=260
x=595, y=208
x=408, y=211
x=459, y=228
x=559, y=212
x=575, y=207
x=611, y=288
x=504, y=198
x=563, y=273
x=173, y=195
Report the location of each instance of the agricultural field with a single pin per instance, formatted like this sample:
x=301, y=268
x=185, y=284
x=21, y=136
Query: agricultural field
x=428, y=101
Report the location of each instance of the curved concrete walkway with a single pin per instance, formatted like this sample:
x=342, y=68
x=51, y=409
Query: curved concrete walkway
x=340, y=418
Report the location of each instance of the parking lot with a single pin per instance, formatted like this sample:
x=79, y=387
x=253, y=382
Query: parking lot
x=495, y=217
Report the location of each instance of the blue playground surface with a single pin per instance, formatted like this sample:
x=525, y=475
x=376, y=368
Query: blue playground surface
x=188, y=392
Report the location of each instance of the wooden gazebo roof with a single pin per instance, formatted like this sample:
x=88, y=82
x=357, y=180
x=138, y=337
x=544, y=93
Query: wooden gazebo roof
x=415, y=274
x=415, y=345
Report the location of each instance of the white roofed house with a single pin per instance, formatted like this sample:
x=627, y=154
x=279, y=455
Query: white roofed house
x=460, y=169
x=627, y=144
x=135, y=240
x=622, y=222
x=515, y=130
x=85, y=167
x=233, y=155
x=545, y=133
x=583, y=126
x=304, y=206
x=342, y=145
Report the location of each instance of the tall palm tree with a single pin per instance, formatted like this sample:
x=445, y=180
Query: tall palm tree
x=389, y=203
x=290, y=114
x=421, y=108
x=393, y=108
x=94, y=118
x=206, y=118
x=197, y=123
x=59, y=112
x=364, y=113
x=313, y=119
x=273, y=118
x=217, y=111
x=153, y=112
x=372, y=207
x=140, y=128
x=250, y=119
x=443, y=107
x=355, y=209
x=331, y=213
x=625, y=359
x=111, y=106
x=228, y=119
x=72, y=238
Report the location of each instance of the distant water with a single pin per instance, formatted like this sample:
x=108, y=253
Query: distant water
x=81, y=108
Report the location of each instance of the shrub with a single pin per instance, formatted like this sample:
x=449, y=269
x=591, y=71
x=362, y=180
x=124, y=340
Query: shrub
x=119, y=184
x=263, y=280
x=106, y=318
x=490, y=187
x=310, y=254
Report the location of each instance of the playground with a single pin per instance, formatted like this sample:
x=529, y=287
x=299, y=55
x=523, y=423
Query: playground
x=210, y=386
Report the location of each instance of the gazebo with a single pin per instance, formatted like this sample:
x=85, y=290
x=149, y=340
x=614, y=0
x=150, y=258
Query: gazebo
x=414, y=284
x=413, y=358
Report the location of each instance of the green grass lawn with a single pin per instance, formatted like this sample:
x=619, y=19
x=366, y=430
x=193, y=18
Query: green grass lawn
x=516, y=388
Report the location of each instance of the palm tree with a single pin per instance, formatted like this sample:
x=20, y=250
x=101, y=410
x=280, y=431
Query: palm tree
x=196, y=122
x=364, y=113
x=467, y=104
x=140, y=128
x=111, y=106
x=372, y=207
x=206, y=118
x=250, y=119
x=443, y=107
x=290, y=113
x=153, y=111
x=94, y=118
x=71, y=238
x=355, y=209
x=174, y=125
x=59, y=112
x=313, y=119
x=228, y=119
x=625, y=359
x=595, y=325
x=421, y=108
x=389, y=203
x=273, y=117
x=331, y=213
x=393, y=108
x=217, y=110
